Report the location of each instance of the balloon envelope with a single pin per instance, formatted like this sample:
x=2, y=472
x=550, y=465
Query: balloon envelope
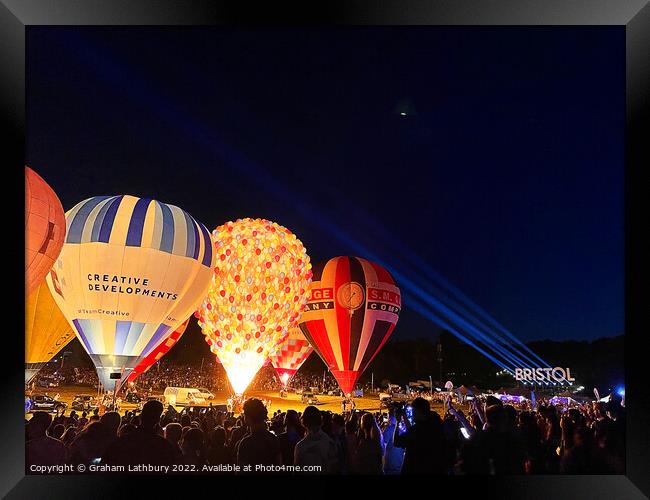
x=260, y=285
x=46, y=330
x=352, y=309
x=44, y=229
x=290, y=355
x=162, y=349
x=130, y=272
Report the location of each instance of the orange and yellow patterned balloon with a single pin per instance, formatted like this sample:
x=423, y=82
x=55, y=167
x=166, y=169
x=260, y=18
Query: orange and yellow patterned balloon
x=258, y=291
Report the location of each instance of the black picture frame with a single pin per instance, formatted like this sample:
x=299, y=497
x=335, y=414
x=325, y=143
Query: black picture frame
x=16, y=16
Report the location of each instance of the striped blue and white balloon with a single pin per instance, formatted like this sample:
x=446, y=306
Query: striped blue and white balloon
x=130, y=272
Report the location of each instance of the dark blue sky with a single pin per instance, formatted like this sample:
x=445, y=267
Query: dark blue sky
x=505, y=176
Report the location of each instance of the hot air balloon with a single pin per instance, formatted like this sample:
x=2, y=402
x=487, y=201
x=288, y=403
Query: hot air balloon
x=162, y=349
x=130, y=272
x=352, y=309
x=260, y=285
x=290, y=355
x=44, y=229
x=46, y=330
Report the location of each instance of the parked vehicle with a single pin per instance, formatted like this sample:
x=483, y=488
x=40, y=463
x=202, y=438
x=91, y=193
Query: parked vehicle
x=183, y=396
x=309, y=398
x=206, y=393
x=84, y=402
x=47, y=382
x=41, y=402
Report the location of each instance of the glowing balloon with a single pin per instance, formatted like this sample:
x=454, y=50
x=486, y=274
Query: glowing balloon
x=352, y=309
x=290, y=355
x=162, y=349
x=130, y=272
x=44, y=229
x=46, y=330
x=260, y=285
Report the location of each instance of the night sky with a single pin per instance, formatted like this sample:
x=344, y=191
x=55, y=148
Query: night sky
x=493, y=157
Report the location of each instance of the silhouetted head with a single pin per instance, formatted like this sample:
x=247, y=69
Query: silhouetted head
x=338, y=421
x=112, y=421
x=367, y=422
x=494, y=415
x=312, y=418
x=421, y=409
x=192, y=441
x=291, y=419
x=150, y=415
x=173, y=432
x=39, y=424
x=219, y=436
x=254, y=411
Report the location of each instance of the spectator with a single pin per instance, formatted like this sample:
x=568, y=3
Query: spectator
x=422, y=441
x=90, y=444
x=293, y=433
x=218, y=452
x=193, y=448
x=316, y=449
x=393, y=456
x=112, y=422
x=173, y=435
x=40, y=448
x=143, y=445
x=259, y=447
x=369, y=451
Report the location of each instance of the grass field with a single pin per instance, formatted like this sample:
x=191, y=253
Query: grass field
x=292, y=401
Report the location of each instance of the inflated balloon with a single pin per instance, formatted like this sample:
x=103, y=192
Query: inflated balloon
x=46, y=330
x=130, y=272
x=44, y=229
x=352, y=309
x=162, y=349
x=290, y=355
x=259, y=288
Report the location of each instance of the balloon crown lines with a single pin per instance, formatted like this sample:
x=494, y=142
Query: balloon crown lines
x=106, y=283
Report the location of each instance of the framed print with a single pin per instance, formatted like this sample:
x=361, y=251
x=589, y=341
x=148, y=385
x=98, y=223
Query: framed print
x=378, y=239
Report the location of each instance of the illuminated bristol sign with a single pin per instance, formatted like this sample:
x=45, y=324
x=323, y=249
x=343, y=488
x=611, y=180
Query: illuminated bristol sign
x=544, y=375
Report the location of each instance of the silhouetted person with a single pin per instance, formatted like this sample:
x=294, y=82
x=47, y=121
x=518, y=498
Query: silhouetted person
x=237, y=433
x=423, y=441
x=41, y=449
x=112, y=422
x=496, y=449
x=393, y=456
x=173, y=433
x=90, y=444
x=293, y=433
x=369, y=451
x=143, y=445
x=193, y=448
x=218, y=452
x=316, y=449
x=259, y=447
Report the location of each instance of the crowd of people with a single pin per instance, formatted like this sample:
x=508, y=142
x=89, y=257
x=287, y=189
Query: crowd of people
x=493, y=438
x=209, y=375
